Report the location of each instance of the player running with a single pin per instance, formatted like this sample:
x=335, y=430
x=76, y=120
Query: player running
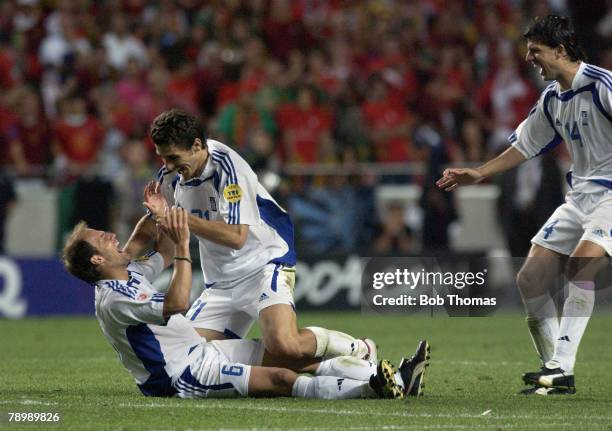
x=167, y=357
x=576, y=108
x=245, y=242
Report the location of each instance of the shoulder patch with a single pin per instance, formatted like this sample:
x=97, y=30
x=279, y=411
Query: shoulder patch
x=232, y=193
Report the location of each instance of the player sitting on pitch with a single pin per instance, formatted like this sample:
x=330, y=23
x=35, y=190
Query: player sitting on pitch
x=167, y=357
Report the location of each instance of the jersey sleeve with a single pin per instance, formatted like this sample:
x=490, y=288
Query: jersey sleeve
x=536, y=134
x=150, y=265
x=142, y=308
x=237, y=191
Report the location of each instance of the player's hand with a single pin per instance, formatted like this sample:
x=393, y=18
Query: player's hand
x=154, y=200
x=176, y=225
x=453, y=178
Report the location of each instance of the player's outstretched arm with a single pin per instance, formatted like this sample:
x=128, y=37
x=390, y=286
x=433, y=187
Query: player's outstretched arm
x=455, y=177
x=141, y=236
x=177, y=228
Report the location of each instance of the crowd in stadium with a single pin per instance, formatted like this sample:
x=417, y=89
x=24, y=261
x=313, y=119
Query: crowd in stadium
x=318, y=83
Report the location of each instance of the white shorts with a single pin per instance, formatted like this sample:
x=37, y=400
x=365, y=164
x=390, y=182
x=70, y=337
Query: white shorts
x=232, y=308
x=219, y=369
x=583, y=217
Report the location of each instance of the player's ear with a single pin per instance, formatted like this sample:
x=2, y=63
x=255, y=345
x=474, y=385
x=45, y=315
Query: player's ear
x=96, y=259
x=560, y=51
x=197, y=145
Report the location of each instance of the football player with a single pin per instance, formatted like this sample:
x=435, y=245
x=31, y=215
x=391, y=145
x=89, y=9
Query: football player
x=576, y=108
x=167, y=357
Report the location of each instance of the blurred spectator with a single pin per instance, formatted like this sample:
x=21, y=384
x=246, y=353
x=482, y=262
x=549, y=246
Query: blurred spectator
x=505, y=98
x=326, y=216
x=8, y=198
x=471, y=143
x=121, y=44
x=305, y=128
x=77, y=137
x=240, y=119
x=93, y=202
x=393, y=237
x=260, y=153
x=388, y=124
x=30, y=145
x=129, y=185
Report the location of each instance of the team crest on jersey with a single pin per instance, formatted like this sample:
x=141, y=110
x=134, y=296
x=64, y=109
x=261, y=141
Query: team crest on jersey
x=213, y=204
x=142, y=296
x=232, y=193
x=584, y=118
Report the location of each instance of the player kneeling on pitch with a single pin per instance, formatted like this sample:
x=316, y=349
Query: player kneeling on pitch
x=167, y=357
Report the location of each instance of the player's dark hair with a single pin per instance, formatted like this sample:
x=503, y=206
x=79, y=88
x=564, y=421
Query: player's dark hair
x=77, y=255
x=177, y=128
x=555, y=30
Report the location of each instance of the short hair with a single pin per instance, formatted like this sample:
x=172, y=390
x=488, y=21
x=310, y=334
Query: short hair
x=177, y=128
x=555, y=30
x=77, y=254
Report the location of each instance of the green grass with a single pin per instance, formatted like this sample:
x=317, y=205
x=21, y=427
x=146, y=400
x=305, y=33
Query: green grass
x=66, y=366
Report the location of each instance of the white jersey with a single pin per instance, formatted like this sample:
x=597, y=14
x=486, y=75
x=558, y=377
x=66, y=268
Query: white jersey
x=130, y=313
x=228, y=190
x=582, y=117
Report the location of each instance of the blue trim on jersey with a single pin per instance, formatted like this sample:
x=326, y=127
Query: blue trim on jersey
x=123, y=289
x=568, y=95
x=195, y=182
x=228, y=167
x=280, y=221
x=274, y=285
x=605, y=183
x=552, y=144
x=512, y=138
x=599, y=78
x=216, y=181
x=189, y=383
x=147, y=349
x=161, y=173
x=195, y=314
x=605, y=77
x=231, y=335
x=158, y=297
x=533, y=110
x=227, y=157
x=175, y=182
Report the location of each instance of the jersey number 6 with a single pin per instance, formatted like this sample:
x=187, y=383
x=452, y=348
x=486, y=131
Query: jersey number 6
x=234, y=370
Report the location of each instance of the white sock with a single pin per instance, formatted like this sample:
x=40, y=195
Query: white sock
x=346, y=366
x=543, y=324
x=576, y=313
x=334, y=343
x=330, y=388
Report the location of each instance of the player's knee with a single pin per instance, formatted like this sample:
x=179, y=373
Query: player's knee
x=284, y=346
x=524, y=279
x=529, y=281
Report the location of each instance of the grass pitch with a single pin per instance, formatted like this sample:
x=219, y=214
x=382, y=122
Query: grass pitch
x=66, y=366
